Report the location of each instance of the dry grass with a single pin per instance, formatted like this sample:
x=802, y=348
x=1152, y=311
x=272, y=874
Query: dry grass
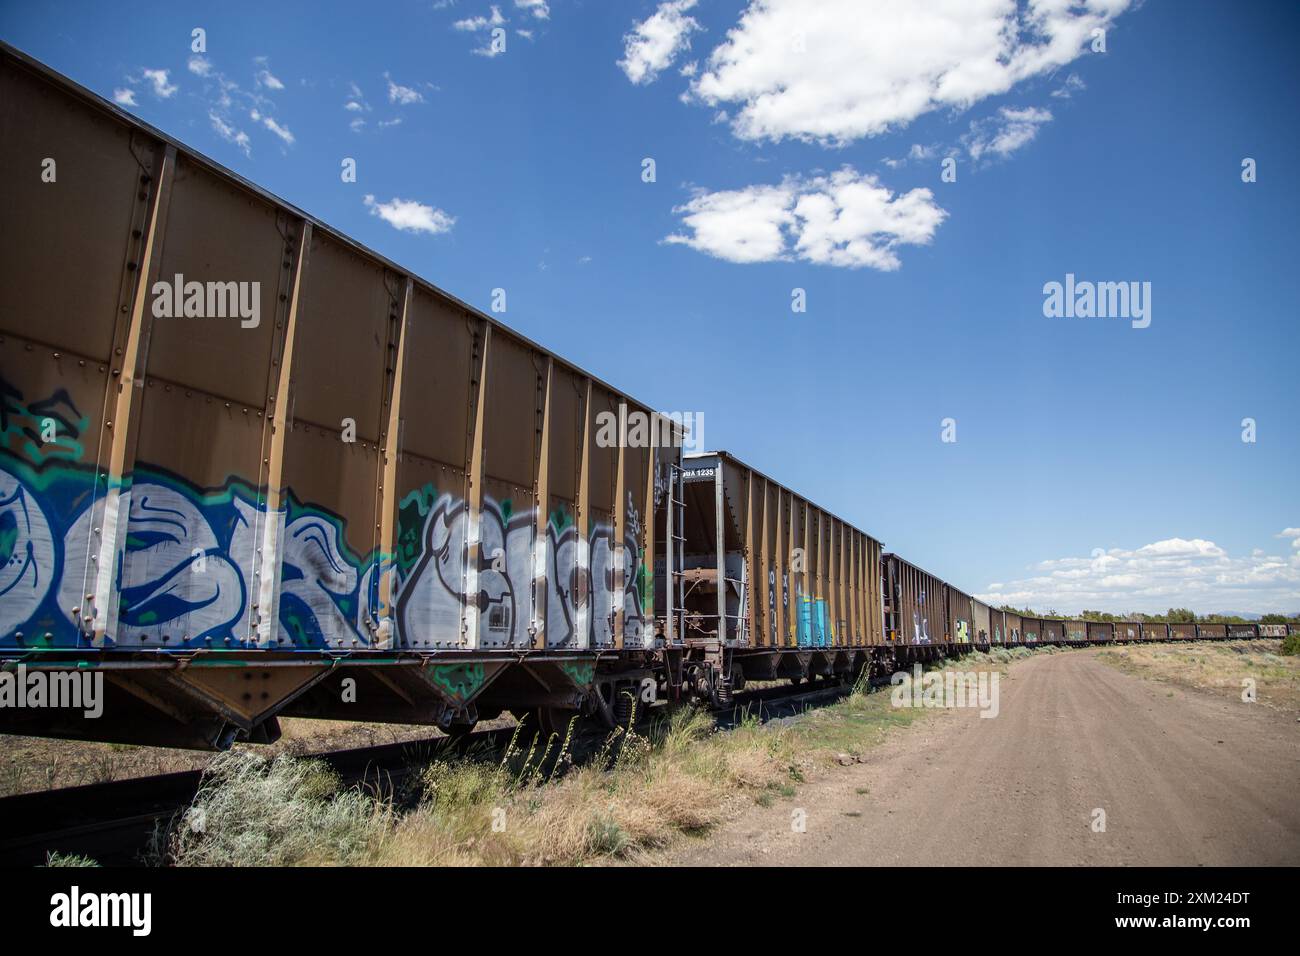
x=29, y=764
x=530, y=807
x=1216, y=666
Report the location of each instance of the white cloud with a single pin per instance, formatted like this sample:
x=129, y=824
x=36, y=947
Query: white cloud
x=276, y=128
x=538, y=8
x=916, y=154
x=269, y=80
x=1292, y=533
x=654, y=43
x=162, y=88
x=124, y=97
x=1175, y=572
x=845, y=219
x=472, y=24
x=402, y=95
x=230, y=134
x=200, y=65
x=1073, y=84
x=1004, y=133
x=356, y=103
x=834, y=71
x=411, y=216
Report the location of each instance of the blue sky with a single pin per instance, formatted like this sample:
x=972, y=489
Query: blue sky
x=800, y=144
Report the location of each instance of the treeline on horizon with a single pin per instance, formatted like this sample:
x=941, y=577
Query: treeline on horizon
x=1175, y=615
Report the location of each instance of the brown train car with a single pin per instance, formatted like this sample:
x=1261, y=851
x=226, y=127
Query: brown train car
x=1052, y=631
x=1100, y=631
x=1272, y=630
x=1031, y=630
x=914, y=604
x=1212, y=632
x=1076, y=632
x=960, y=616
x=997, y=626
x=1128, y=631
x=1154, y=631
x=981, y=622
x=1013, y=628
x=1243, y=632
x=1182, y=632
x=361, y=461
x=792, y=574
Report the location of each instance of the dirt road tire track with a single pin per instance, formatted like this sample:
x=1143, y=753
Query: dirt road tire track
x=1185, y=777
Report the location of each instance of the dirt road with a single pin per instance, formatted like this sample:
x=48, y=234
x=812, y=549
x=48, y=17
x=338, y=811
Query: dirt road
x=1185, y=778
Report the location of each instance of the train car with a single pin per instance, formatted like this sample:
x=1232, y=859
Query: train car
x=1154, y=631
x=281, y=461
x=1292, y=629
x=1128, y=631
x=981, y=623
x=1076, y=632
x=788, y=587
x=1182, y=632
x=1212, y=632
x=1051, y=631
x=960, y=616
x=1100, y=632
x=1242, y=632
x=997, y=626
x=915, y=608
x=1272, y=630
x=1031, y=630
x=1013, y=628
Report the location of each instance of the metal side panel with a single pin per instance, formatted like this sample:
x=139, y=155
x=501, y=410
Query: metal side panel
x=198, y=478
x=80, y=196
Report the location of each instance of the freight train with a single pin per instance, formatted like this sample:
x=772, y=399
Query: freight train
x=249, y=468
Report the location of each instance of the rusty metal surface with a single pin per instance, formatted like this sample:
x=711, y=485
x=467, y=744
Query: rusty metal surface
x=1099, y=631
x=960, y=625
x=981, y=622
x=794, y=574
x=916, y=609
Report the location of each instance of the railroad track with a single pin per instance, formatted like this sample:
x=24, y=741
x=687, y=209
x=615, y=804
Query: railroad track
x=113, y=823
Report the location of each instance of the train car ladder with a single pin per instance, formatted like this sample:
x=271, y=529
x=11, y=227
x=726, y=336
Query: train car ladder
x=675, y=557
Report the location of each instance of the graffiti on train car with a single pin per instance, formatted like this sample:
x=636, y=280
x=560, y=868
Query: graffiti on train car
x=184, y=575
x=185, y=571
x=433, y=586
